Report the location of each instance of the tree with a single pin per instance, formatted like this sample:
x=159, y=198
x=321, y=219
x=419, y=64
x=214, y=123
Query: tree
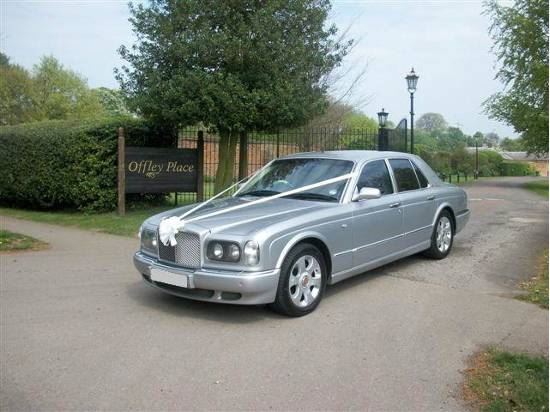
x=112, y=101
x=16, y=93
x=235, y=66
x=431, y=122
x=61, y=93
x=512, y=145
x=520, y=35
x=491, y=139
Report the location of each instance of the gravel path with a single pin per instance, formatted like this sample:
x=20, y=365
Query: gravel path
x=80, y=330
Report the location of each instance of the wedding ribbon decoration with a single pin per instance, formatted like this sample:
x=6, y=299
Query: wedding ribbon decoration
x=169, y=227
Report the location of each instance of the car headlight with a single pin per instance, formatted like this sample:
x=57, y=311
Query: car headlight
x=223, y=251
x=251, y=252
x=149, y=241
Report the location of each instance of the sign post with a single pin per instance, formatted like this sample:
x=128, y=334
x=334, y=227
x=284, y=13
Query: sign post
x=200, y=166
x=121, y=173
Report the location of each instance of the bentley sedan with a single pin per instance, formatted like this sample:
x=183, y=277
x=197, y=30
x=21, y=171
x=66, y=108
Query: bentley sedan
x=301, y=223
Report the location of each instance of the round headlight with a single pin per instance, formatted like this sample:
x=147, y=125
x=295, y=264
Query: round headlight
x=217, y=251
x=234, y=252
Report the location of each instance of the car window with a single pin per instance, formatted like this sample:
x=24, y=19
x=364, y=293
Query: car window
x=404, y=175
x=420, y=175
x=375, y=174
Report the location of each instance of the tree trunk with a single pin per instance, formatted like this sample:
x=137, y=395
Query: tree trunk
x=226, y=164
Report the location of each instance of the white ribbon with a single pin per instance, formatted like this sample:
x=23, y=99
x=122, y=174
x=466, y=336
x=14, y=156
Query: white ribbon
x=169, y=227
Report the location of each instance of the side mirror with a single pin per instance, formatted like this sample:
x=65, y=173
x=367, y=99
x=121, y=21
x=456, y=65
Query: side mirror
x=367, y=193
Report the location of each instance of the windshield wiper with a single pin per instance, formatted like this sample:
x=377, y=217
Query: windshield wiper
x=259, y=193
x=313, y=196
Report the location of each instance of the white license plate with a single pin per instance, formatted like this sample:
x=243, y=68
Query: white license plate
x=163, y=276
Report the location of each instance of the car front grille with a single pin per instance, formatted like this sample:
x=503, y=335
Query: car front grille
x=186, y=253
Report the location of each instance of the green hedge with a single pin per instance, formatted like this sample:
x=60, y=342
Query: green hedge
x=517, y=169
x=67, y=164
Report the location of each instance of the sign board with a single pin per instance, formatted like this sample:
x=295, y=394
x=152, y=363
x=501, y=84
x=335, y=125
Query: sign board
x=160, y=170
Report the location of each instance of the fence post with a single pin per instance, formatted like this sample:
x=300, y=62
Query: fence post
x=121, y=173
x=243, y=155
x=382, y=139
x=278, y=144
x=200, y=166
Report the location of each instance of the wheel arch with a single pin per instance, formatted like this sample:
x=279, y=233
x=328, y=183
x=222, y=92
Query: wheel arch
x=312, y=238
x=447, y=207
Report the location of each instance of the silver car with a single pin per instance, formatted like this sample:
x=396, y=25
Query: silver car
x=285, y=250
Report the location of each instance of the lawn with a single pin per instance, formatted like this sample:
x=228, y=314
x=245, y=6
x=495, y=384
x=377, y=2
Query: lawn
x=505, y=381
x=110, y=222
x=540, y=187
x=10, y=242
x=537, y=286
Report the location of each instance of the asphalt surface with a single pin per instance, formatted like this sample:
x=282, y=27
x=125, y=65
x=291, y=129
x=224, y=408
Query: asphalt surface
x=80, y=330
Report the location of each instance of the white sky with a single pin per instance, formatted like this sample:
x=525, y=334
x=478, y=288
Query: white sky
x=446, y=42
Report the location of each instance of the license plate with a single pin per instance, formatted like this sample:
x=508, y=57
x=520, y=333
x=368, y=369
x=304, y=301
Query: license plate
x=163, y=276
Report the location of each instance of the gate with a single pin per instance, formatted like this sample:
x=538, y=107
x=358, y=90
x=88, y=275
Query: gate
x=397, y=138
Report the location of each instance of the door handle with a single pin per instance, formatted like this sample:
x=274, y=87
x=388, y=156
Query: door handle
x=431, y=197
x=396, y=204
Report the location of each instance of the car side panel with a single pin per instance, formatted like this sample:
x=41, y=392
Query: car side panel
x=418, y=212
x=335, y=232
x=377, y=228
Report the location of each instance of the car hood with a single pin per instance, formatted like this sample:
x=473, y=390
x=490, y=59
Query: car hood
x=246, y=220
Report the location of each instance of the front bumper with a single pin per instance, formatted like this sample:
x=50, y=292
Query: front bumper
x=242, y=288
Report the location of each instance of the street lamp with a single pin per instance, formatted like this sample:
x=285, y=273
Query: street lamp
x=382, y=118
x=412, y=79
x=382, y=131
x=476, y=174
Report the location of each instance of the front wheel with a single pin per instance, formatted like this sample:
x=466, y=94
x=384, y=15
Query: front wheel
x=442, y=237
x=302, y=281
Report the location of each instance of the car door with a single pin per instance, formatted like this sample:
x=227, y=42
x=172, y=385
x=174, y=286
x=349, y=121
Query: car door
x=377, y=223
x=417, y=202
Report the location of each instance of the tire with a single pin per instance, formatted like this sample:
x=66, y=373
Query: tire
x=302, y=281
x=442, y=237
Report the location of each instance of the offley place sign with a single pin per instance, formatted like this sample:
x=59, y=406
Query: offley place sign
x=160, y=170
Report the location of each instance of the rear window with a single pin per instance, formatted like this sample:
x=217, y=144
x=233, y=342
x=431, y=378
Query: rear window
x=420, y=175
x=404, y=175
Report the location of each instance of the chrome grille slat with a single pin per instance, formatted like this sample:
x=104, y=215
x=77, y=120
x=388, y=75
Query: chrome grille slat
x=186, y=253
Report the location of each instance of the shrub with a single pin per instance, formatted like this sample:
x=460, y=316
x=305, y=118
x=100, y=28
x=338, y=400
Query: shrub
x=516, y=169
x=67, y=164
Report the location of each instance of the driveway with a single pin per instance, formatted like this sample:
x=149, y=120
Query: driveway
x=80, y=330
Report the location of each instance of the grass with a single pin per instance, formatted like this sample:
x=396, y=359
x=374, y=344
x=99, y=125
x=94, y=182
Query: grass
x=504, y=381
x=10, y=242
x=540, y=187
x=127, y=225
x=537, y=286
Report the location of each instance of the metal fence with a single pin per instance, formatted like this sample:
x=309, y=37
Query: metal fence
x=263, y=147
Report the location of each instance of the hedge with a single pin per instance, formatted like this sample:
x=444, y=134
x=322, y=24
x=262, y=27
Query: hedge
x=67, y=164
x=517, y=169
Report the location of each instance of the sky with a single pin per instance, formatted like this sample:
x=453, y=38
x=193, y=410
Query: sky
x=447, y=42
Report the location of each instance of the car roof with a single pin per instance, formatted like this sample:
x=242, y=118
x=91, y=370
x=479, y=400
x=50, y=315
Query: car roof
x=353, y=155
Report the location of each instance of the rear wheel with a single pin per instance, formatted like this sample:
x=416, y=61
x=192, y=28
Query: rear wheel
x=302, y=281
x=442, y=237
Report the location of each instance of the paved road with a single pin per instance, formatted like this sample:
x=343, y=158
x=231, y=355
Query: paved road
x=79, y=330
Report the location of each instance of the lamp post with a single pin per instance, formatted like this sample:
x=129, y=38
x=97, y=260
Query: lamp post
x=477, y=161
x=382, y=131
x=412, y=79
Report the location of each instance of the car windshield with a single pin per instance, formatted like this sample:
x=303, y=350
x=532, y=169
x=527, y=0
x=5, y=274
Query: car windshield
x=289, y=174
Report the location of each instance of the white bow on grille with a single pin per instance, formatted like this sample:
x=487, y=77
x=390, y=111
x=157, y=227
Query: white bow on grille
x=168, y=228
